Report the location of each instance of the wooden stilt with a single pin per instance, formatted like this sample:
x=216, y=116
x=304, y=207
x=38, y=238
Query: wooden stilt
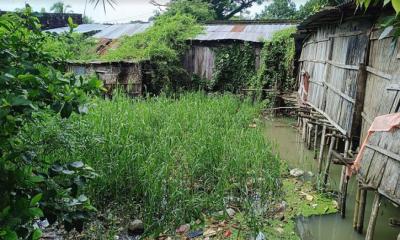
x=344, y=183
x=356, y=207
x=328, y=160
x=321, y=149
x=374, y=216
x=361, y=211
x=315, y=141
x=309, y=131
x=303, y=131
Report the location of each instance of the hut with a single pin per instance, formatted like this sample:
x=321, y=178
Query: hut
x=200, y=57
x=131, y=76
x=348, y=76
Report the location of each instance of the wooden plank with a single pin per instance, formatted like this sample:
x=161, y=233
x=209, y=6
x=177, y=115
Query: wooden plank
x=341, y=94
x=344, y=66
x=379, y=73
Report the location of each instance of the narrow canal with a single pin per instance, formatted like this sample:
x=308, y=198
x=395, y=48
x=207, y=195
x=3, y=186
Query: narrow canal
x=287, y=140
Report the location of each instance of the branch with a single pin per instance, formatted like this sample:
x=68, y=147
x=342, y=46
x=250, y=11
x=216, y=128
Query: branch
x=244, y=4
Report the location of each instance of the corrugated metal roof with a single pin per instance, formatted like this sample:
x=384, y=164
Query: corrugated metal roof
x=83, y=28
x=118, y=30
x=107, y=31
x=244, y=32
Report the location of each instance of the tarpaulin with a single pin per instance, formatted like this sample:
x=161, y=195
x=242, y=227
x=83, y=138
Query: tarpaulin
x=384, y=123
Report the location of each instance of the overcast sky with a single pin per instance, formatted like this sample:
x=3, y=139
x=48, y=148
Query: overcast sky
x=125, y=10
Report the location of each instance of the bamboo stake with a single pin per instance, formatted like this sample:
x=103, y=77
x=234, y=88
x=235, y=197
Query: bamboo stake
x=321, y=149
x=328, y=161
x=315, y=141
x=356, y=207
x=374, y=216
x=344, y=183
x=361, y=210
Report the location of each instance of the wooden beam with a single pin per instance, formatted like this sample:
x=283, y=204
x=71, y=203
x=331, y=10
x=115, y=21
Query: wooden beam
x=384, y=152
x=341, y=94
x=339, y=128
x=347, y=34
x=344, y=66
x=379, y=73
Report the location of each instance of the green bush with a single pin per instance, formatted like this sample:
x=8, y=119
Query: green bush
x=31, y=188
x=171, y=159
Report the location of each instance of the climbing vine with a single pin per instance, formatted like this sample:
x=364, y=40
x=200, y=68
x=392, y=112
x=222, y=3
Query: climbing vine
x=276, y=63
x=234, y=66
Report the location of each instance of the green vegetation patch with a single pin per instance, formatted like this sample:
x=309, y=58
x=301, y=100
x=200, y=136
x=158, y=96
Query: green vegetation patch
x=168, y=161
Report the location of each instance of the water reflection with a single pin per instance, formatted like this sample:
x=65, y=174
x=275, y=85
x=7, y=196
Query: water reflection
x=330, y=227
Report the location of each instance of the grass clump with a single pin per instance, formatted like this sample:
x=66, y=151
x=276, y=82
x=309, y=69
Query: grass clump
x=168, y=161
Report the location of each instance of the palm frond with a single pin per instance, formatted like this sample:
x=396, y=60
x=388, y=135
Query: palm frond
x=105, y=3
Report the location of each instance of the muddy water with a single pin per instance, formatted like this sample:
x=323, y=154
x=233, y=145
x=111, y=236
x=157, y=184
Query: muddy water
x=288, y=142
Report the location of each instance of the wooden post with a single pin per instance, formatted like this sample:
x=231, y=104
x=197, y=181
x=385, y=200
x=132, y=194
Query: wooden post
x=374, y=216
x=315, y=141
x=361, y=211
x=328, y=160
x=321, y=149
x=303, y=131
x=356, y=206
x=309, y=131
x=344, y=182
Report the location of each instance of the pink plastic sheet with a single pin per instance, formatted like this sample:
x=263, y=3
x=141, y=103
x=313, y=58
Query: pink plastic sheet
x=384, y=123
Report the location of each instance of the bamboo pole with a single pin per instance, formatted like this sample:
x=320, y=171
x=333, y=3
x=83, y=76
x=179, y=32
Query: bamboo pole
x=374, y=216
x=361, y=211
x=328, y=161
x=315, y=141
x=321, y=149
x=344, y=183
x=309, y=131
x=356, y=207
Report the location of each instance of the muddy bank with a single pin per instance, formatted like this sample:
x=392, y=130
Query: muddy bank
x=331, y=227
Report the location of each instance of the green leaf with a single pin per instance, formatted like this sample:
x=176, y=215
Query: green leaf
x=66, y=111
x=10, y=235
x=36, y=234
x=19, y=101
x=36, y=199
x=385, y=2
x=77, y=164
x=396, y=5
x=36, y=179
x=36, y=212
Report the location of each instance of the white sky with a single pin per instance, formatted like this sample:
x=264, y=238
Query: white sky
x=125, y=10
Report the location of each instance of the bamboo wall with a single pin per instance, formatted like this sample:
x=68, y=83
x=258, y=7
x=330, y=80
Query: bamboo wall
x=200, y=58
x=383, y=79
x=333, y=57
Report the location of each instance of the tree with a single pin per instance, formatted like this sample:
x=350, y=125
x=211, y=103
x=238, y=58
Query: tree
x=310, y=7
x=197, y=8
x=223, y=9
x=60, y=7
x=279, y=9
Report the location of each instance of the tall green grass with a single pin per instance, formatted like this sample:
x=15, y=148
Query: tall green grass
x=171, y=158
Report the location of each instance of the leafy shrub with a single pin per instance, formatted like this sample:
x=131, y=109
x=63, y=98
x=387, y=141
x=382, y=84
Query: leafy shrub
x=70, y=46
x=30, y=85
x=169, y=161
